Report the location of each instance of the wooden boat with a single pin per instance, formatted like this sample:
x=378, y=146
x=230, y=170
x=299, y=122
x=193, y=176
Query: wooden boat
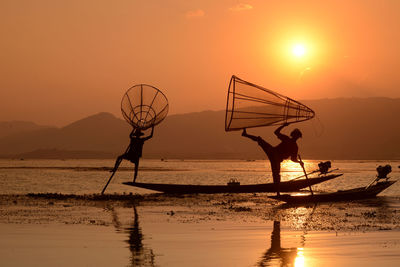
x=341, y=195
x=287, y=186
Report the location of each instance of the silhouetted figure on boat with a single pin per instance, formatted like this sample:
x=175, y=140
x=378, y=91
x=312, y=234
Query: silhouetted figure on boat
x=134, y=151
x=286, y=149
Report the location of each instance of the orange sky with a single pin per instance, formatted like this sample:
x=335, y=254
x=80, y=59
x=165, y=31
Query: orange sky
x=64, y=60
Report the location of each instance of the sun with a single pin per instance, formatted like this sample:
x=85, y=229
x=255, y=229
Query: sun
x=299, y=50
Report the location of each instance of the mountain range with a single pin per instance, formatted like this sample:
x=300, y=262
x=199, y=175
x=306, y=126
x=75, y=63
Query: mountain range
x=344, y=128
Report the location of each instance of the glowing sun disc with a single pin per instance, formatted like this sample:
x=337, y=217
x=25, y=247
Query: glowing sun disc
x=298, y=50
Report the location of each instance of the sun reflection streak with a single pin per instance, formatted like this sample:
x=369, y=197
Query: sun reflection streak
x=300, y=259
x=291, y=166
x=290, y=170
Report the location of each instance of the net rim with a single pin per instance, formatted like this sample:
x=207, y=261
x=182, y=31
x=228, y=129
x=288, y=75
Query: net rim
x=230, y=110
x=165, y=109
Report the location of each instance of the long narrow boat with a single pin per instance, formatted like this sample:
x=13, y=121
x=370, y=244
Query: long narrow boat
x=288, y=186
x=341, y=195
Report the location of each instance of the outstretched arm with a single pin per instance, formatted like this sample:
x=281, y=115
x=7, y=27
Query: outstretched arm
x=294, y=158
x=278, y=131
x=131, y=136
x=252, y=137
x=151, y=134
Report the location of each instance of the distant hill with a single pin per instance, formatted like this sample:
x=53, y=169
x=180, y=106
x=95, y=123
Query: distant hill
x=102, y=132
x=64, y=154
x=13, y=127
x=348, y=128
x=354, y=128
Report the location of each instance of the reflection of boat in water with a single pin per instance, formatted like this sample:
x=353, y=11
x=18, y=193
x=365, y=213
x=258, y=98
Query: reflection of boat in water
x=287, y=186
x=277, y=255
x=140, y=254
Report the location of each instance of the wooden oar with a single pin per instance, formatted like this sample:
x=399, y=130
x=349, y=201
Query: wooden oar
x=375, y=180
x=109, y=180
x=301, y=176
x=305, y=174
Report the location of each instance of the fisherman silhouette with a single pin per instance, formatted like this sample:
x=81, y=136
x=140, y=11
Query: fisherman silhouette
x=287, y=148
x=134, y=151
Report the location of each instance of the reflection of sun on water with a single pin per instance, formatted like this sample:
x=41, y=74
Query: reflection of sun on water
x=291, y=166
x=300, y=260
x=290, y=170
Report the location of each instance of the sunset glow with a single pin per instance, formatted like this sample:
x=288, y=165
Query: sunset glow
x=199, y=133
x=190, y=51
x=299, y=50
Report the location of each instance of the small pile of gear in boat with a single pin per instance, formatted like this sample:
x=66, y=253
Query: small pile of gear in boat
x=324, y=167
x=383, y=171
x=233, y=181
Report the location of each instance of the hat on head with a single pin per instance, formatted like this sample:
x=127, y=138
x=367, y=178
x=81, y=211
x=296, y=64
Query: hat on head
x=296, y=133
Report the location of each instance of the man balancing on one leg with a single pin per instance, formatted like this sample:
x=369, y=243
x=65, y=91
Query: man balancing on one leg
x=287, y=148
x=134, y=151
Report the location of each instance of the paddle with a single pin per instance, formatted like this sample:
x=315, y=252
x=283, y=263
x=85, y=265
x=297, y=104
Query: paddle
x=305, y=174
x=301, y=176
x=109, y=180
x=375, y=179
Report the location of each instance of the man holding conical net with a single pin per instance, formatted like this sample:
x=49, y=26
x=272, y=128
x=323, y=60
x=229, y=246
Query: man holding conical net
x=276, y=154
x=143, y=107
x=250, y=105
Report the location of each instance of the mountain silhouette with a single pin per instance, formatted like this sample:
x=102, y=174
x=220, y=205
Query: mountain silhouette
x=344, y=128
x=102, y=132
x=13, y=127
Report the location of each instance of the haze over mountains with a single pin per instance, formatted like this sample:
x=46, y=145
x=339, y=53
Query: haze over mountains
x=13, y=127
x=347, y=128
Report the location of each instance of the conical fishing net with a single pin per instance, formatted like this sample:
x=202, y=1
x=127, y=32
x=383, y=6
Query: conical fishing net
x=144, y=106
x=250, y=105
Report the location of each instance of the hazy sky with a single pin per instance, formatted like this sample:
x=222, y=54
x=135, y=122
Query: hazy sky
x=62, y=60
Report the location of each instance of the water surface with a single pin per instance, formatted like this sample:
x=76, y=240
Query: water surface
x=197, y=230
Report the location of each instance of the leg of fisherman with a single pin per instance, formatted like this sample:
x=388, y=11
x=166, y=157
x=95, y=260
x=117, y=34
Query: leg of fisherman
x=136, y=162
x=271, y=153
x=275, y=164
x=276, y=169
x=268, y=149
